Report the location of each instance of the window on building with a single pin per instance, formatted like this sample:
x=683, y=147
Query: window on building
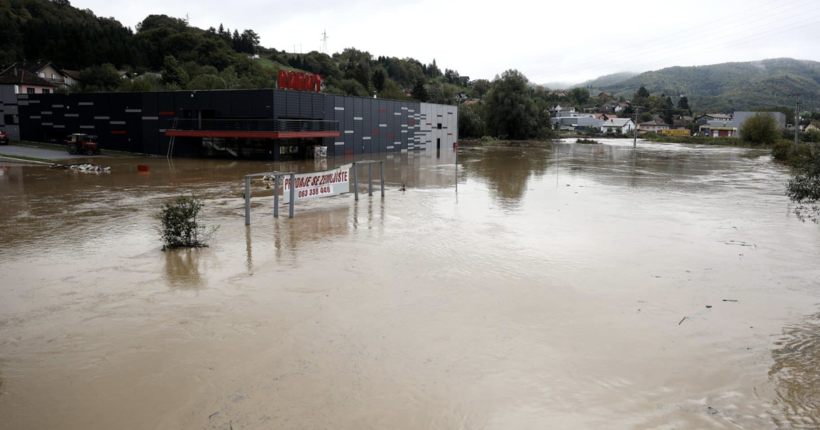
x=439, y=126
x=42, y=74
x=30, y=90
x=46, y=91
x=53, y=76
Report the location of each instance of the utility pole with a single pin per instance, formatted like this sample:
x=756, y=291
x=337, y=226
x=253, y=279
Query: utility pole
x=324, y=41
x=797, y=118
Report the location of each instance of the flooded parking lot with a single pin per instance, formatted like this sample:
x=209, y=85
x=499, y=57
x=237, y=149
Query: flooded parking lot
x=575, y=286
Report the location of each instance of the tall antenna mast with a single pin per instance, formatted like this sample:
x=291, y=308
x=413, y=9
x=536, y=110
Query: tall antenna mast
x=324, y=41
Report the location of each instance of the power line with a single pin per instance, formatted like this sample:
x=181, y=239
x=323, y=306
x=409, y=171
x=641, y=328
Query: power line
x=324, y=41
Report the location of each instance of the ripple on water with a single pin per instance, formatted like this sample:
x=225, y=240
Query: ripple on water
x=796, y=377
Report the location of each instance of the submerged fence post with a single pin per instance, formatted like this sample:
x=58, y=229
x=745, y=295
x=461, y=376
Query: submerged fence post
x=247, y=200
x=370, y=179
x=292, y=194
x=276, y=196
x=381, y=172
x=356, y=180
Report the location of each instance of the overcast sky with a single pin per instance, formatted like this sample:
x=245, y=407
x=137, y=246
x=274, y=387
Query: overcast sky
x=570, y=41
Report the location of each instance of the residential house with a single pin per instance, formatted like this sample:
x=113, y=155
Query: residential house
x=590, y=108
x=814, y=126
x=20, y=81
x=614, y=107
x=605, y=95
x=72, y=77
x=561, y=109
x=618, y=125
x=680, y=124
x=44, y=70
x=652, y=126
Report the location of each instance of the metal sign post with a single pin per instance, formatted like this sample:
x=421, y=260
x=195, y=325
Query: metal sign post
x=369, y=177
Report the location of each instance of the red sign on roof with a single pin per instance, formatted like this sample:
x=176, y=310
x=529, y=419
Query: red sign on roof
x=300, y=81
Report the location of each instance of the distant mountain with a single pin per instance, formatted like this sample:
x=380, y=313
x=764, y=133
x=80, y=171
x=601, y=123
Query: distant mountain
x=605, y=81
x=557, y=85
x=731, y=86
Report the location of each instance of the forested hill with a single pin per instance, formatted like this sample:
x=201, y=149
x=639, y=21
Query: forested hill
x=194, y=58
x=732, y=86
x=604, y=81
x=73, y=38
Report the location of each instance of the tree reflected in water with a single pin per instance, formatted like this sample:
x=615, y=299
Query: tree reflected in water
x=182, y=268
x=506, y=171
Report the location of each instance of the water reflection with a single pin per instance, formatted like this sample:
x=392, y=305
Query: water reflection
x=248, y=249
x=506, y=171
x=796, y=377
x=182, y=268
x=314, y=223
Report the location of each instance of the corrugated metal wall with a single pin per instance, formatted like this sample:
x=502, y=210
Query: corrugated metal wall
x=137, y=121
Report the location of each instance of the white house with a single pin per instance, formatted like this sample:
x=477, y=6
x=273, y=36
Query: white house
x=624, y=125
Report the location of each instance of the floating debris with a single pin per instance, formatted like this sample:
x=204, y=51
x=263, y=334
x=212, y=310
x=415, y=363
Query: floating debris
x=82, y=167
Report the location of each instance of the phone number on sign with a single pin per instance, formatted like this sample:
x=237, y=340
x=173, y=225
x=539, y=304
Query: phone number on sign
x=311, y=192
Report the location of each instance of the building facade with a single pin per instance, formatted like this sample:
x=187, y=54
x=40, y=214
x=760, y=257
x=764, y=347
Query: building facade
x=247, y=124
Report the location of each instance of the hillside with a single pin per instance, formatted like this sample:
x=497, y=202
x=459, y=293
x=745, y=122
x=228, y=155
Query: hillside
x=197, y=59
x=732, y=86
x=606, y=80
x=74, y=38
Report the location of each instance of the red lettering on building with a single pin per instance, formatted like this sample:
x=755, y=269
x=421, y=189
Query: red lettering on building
x=300, y=81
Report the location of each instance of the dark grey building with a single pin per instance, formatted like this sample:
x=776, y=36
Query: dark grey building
x=266, y=124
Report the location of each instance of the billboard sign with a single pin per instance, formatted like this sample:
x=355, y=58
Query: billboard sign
x=300, y=81
x=320, y=184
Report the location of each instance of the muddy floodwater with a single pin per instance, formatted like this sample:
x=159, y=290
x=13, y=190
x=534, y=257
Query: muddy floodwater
x=569, y=287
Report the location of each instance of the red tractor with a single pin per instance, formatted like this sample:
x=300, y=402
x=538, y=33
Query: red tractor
x=79, y=143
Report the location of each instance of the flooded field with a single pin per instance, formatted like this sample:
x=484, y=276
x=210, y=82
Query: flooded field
x=571, y=287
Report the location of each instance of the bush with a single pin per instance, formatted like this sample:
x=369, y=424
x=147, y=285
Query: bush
x=804, y=187
x=179, y=226
x=782, y=149
x=760, y=129
x=812, y=135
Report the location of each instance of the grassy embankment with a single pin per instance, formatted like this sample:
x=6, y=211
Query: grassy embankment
x=269, y=64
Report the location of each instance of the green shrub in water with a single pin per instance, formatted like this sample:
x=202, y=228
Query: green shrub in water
x=179, y=226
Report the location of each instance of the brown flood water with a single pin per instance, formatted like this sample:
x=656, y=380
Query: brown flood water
x=564, y=287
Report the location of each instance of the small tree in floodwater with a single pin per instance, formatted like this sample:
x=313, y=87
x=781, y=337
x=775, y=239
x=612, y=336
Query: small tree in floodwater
x=179, y=226
x=760, y=129
x=804, y=186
